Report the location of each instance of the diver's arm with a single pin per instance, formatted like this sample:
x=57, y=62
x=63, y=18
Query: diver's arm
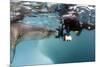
x=88, y=26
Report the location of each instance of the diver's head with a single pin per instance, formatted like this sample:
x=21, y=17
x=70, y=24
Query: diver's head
x=73, y=12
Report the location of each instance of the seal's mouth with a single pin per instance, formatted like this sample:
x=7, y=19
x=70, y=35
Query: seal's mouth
x=52, y=32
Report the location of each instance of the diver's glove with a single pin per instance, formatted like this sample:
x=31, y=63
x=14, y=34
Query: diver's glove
x=67, y=38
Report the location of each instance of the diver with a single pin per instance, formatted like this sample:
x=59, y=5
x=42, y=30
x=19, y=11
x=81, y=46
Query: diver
x=70, y=22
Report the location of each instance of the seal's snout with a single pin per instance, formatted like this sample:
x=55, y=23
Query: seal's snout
x=51, y=32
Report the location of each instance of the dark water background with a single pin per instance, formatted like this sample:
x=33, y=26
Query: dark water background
x=52, y=50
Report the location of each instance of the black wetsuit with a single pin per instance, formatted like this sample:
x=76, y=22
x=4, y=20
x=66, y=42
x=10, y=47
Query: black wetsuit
x=69, y=24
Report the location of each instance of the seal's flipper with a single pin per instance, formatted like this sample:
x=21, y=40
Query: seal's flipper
x=13, y=45
x=12, y=54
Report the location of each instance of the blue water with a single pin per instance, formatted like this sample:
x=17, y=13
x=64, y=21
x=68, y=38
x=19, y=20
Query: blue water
x=52, y=50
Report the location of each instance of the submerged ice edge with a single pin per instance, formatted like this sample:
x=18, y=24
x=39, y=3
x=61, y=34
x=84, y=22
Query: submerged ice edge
x=38, y=59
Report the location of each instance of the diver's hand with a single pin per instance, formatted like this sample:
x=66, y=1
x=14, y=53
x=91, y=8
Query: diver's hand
x=88, y=26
